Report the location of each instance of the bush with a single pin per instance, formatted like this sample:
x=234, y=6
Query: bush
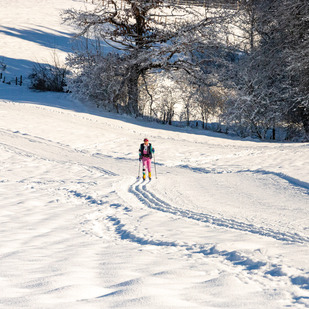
x=46, y=77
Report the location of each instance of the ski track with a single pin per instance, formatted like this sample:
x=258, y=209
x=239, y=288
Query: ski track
x=149, y=199
x=291, y=180
x=58, y=147
x=51, y=152
x=142, y=193
x=130, y=232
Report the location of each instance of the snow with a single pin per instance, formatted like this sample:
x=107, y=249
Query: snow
x=32, y=31
x=225, y=224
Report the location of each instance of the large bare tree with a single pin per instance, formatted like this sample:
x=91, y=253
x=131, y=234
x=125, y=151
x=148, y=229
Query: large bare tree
x=149, y=35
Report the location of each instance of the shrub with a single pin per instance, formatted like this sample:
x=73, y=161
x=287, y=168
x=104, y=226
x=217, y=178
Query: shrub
x=47, y=77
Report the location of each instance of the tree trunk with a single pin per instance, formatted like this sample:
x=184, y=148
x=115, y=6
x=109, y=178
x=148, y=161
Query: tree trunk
x=188, y=115
x=305, y=122
x=133, y=90
x=274, y=133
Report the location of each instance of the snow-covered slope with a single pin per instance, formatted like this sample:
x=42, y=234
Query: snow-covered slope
x=32, y=31
x=225, y=224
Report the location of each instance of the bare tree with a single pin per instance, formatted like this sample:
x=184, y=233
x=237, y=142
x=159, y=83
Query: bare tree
x=247, y=20
x=149, y=35
x=294, y=23
x=263, y=82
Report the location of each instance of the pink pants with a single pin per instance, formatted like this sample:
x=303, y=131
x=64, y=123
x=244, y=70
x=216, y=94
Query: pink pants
x=147, y=163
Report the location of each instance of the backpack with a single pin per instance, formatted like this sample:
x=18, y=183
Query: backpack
x=149, y=151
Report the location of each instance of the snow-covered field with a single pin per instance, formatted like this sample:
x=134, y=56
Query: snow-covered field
x=224, y=225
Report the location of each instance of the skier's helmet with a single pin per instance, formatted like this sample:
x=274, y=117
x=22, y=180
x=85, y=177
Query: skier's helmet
x=146, y=140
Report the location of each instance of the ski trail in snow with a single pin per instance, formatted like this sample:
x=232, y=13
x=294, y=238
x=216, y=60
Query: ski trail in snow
x=123, y=222
x=38, y=147
x=49, y=150
x=291, y=180
x=149, y=199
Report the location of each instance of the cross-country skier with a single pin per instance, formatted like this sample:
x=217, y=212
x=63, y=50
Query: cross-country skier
x=145, y=155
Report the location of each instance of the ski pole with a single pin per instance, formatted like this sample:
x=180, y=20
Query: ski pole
x=139, y=169
x=154, y=161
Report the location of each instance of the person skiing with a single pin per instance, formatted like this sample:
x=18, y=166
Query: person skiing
x=145, y=155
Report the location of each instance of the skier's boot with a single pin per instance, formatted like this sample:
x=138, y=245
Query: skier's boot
x=149, y=175
x=144, y=174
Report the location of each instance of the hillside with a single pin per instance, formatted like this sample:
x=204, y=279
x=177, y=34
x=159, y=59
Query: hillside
x=222, y=224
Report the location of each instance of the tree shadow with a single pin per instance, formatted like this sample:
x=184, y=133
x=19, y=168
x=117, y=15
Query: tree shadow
x=59, y=40
x=17, y=67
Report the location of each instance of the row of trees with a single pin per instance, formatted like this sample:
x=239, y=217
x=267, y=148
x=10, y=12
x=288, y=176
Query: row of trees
x=271, y=80
x=247, y=67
